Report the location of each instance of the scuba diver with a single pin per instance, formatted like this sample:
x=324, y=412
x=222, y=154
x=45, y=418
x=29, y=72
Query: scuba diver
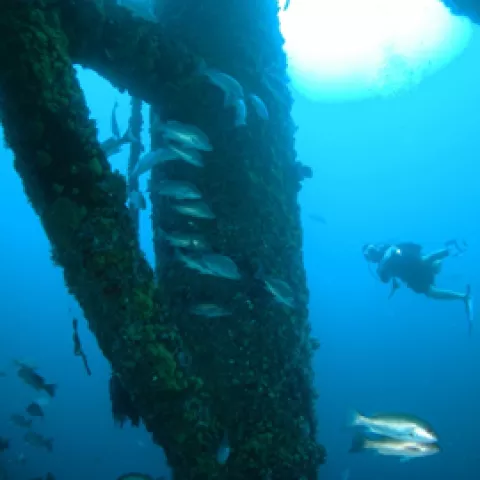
x=407, y=262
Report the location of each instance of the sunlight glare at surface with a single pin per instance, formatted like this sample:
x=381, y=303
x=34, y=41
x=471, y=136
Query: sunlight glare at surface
x=351, y=48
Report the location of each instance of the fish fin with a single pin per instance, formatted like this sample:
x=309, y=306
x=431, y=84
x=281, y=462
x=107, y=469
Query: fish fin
x=229, y=100
x=353, y=418
x=114, y=122
x=160, y=233
x=405, y=459
x=358, y=443
x=129, y=137
x=50, y=388
x=201, y=68
x=177, y=255
x=260, y=273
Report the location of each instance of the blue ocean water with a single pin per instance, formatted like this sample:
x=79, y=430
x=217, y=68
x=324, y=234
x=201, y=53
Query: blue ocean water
x=400, y=168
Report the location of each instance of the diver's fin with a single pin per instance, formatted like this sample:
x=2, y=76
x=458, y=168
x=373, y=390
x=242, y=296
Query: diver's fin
x=469, y=308
x=456, y=247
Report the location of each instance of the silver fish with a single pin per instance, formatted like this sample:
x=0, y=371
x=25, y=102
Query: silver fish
x=406, y=450
x=37, y=440
x=194, y=262
x=137, y=200
x=178, y=190
x=188, y=135
x=35, y=410
x=153, y=158
x=221, y=266
x=191, y=156
x=229, y=85
x=259, y=107
x=223, y=451
x=189, y=241
x=210, y=310
x=398, y=426
x=194, y=208
x=240, y=112
x=112, y=145
x=280, y=290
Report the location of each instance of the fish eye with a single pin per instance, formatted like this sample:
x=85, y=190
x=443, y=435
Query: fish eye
x=414, y=448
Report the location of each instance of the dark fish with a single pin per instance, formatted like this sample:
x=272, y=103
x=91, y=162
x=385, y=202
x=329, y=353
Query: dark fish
x=318, y=218
x=4, y=444
x=35, y=410
x=37, y=440
x=20, y=421
x=30, y=377
x=77, y=347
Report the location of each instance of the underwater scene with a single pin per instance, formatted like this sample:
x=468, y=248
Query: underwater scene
x=239, y=240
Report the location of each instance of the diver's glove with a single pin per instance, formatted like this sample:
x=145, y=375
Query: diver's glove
x=456, y=247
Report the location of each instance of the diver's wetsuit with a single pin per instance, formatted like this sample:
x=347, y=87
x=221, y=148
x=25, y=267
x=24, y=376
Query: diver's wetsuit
x=409, y=266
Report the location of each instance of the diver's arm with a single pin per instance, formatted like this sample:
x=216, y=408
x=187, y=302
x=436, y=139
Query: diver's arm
x=395, y=287
x=384, y=264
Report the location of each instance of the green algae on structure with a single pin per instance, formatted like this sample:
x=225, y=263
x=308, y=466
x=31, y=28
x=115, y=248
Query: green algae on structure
x=130, y=52
x=81, y=205
x=256, y=364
